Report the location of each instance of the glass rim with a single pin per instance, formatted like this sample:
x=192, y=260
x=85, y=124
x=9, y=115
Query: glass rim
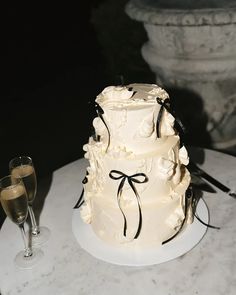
x=17, y=181
x=21, y=157
x=19, y=160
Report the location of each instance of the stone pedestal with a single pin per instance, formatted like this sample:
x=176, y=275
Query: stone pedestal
x=192, y=46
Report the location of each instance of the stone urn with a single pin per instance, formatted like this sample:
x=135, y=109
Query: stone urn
x=191, y=47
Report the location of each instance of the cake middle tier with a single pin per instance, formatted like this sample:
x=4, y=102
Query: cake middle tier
x=164, y=169
x=121, y=192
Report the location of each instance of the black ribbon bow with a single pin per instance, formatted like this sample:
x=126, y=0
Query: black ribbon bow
x=118, y=175
x=100, y=113
x=165, y=104
x=81, y=198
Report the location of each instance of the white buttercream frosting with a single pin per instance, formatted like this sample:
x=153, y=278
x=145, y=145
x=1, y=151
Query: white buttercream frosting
x=166, y=168
x=130, y=113
x=159, y=92
x=183, y=156
x=115, y=93
x=86, y=213
x=167, y=124
x=135, y=94
x=119, y=151
x=99, y=126
x=147, y=126
x=176, y=218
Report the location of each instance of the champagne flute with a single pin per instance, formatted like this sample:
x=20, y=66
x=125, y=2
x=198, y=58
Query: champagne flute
x=22, y=167
x=13, y=197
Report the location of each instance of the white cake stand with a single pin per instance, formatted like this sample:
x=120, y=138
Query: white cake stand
x=183, y=243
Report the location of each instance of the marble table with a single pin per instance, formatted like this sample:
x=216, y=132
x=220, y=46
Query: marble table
x=209, y=268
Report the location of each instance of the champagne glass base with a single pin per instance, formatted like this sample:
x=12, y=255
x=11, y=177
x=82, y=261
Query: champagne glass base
x=42, y=237
x=28, y=262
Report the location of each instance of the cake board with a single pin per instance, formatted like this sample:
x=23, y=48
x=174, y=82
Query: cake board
x=181, y=244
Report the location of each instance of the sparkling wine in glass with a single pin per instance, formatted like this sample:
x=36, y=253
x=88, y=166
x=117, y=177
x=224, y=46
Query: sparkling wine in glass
x=13, y=197
x=22, y=167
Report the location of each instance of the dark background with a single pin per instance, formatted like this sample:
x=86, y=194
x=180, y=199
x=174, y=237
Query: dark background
x=51, y=68
x=54, y=61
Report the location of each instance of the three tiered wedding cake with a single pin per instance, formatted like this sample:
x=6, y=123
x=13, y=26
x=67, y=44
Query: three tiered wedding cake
x=136, y=182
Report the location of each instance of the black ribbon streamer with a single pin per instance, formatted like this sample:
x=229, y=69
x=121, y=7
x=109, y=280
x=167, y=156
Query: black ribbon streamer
x=81, y=198
x=189, y=201
x=165, y=104
x=206, y=224
x=195, y=201
x=118, y=175
x=100, y=113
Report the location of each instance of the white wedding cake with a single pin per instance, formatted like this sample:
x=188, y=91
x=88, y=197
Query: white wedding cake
x=136, y=182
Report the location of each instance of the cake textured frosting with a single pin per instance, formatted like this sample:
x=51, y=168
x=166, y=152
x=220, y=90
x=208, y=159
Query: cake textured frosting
x=136, y=182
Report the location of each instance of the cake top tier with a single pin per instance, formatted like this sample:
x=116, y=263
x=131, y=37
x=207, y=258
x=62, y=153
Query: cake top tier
x=133, y=120
x=131, y=95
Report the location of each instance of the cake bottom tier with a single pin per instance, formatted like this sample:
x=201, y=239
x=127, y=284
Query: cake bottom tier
x=158, y=222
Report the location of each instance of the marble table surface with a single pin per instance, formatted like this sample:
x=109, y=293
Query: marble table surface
x=209, y=268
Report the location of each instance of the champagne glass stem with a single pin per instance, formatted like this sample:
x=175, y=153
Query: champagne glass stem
x=27, y=250
x=35, y=228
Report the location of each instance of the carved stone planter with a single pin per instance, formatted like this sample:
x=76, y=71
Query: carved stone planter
x=194, y=48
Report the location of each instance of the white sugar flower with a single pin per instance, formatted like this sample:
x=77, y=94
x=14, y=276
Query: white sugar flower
x=147, y=127
x=183, y=156
x=167, y=124
x=165, y=168
x=86, y=213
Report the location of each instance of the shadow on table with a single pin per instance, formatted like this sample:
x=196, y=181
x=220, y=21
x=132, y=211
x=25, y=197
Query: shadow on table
x=2, y=218
x=197, y=157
